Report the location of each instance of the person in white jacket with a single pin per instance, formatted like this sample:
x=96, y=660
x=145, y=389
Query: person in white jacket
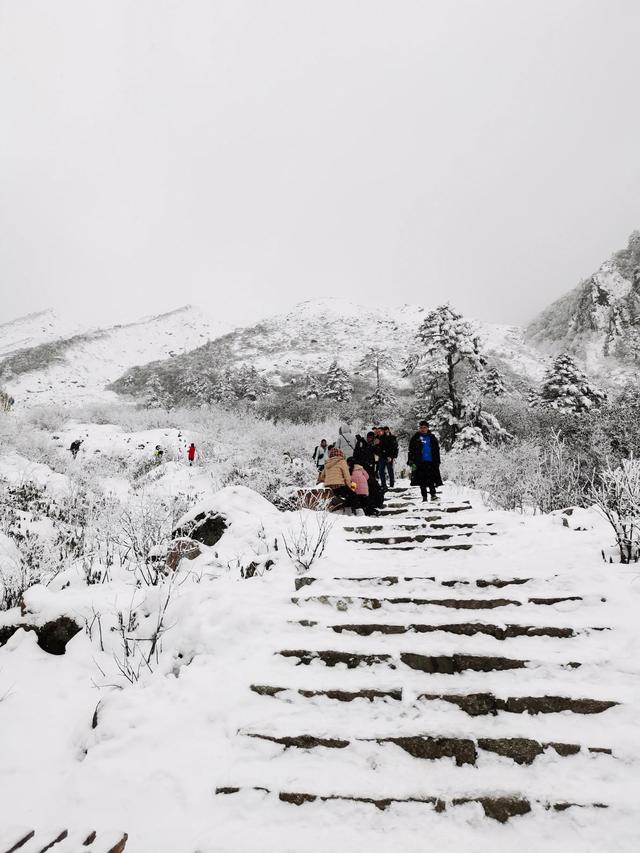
x=321, y=454
x=346, y=442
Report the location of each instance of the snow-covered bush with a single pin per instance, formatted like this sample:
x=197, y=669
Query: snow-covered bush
x=48, y=533
x=566, y=387
x=469, y=438
x=523, y=476
x=144, y=526
x=15, y=576
x=616, y=492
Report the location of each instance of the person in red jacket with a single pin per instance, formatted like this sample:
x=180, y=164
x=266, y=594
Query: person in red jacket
x=191, y=453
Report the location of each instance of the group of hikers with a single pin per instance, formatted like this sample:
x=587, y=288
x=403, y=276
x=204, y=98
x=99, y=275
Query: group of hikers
x=158, y=452
x=357, y=469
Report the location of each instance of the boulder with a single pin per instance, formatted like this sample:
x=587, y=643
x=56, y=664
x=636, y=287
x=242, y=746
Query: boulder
x=52, y=637
x=187, y=548
x=206, y=528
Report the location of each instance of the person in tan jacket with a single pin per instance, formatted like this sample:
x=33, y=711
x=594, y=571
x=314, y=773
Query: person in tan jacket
x=337, y=477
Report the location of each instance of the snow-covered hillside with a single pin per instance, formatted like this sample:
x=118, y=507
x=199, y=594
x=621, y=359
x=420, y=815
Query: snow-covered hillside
x=599, y=321
x=287, y=347
x=33, y=330
x=45, y=360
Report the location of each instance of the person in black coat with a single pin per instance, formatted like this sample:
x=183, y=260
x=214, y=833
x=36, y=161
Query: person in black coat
x=424, y=460
x=364, y=454
x=388, y=456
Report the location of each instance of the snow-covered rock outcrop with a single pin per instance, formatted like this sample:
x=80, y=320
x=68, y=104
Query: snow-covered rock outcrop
x=599, y=319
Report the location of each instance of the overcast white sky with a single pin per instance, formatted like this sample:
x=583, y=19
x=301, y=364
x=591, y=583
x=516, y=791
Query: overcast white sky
x=246, y=155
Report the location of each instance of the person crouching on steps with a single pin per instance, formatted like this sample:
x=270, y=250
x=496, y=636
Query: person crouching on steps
x=360, y=477
x=337, y=477
x=424, y=460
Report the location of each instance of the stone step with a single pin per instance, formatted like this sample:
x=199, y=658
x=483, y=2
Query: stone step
x=521, y=750
x=339, y=695
x=343, y=602
x=437, y=506
x=473, y=704
x=412, y=508
x=393, y=580
x=398, y=501
x=451, y=546
x=422, y=507
x=442, y=664
x=425, y=523
x=465, y=629
x=500, y=808
x=401, y=538
x=477, y=704
x=64, y=840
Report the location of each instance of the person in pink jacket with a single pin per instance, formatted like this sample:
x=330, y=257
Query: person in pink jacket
x=361, y=478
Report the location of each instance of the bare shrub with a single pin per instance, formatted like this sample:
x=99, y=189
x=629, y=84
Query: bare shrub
x=145, y=527
x=524, y=476
x=138, y=642
x=308, y=540
x=616, y=493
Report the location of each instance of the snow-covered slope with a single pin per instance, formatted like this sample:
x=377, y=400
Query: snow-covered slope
x=287, y=347
x=490, y=703
x=33, y=330
x=600, y=319
x=41, y=363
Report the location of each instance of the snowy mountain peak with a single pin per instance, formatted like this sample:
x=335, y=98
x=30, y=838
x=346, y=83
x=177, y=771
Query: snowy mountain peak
x=600, y=319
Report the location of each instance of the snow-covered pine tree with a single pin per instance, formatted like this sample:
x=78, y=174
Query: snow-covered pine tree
x=380, y=404
x=6, y=401
x=566, y=388
x=312, y=388
x=154, y=392
x=448, y=349
x=492, y=384
x=200, y=387
x=224, y=388
x=337, y=385
x=382, y=401
x=629, y=346
x=249, y=384
x=374, y=363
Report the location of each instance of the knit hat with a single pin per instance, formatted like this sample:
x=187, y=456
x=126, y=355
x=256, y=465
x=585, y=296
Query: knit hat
x=335, y=451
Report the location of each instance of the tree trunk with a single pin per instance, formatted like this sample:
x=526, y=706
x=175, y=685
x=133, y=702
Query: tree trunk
x=453, y=397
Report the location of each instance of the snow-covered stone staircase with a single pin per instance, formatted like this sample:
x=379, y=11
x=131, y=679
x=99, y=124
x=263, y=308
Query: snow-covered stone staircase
x=476, y=690
x=61, y=840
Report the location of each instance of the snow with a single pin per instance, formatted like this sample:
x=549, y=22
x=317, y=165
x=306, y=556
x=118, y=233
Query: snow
x=102, y=355
x=17, y=469
x=164, y=744
x=35, y=329
x=610, y=280
x=507, y=342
